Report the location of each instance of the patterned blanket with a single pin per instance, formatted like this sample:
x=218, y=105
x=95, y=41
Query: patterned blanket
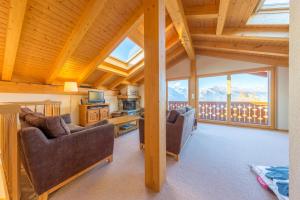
x=274, y=178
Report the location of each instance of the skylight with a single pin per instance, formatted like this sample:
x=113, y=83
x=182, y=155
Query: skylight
x=275, y=4
x=126, y=50
x=271, y=12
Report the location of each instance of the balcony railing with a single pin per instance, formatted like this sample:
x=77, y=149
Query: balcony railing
x=241, y=112
x=174, y=105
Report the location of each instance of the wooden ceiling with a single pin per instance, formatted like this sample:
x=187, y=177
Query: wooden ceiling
x=53, y=41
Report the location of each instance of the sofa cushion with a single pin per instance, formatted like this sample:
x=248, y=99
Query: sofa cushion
x=52, y=127
x=173, y=114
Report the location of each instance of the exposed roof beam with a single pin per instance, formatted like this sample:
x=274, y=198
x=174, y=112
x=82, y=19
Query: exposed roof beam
x=201, y=12
x=81, y=28
x=106, y=67
x=137, y=78
x=231, y=37
x=116, y=83
x=176, y=12
x=244, y=57
x=132, y=23
x=102, y=79
x=175, y=60
x=17, y=9
x=252, y=49
x=223, y=11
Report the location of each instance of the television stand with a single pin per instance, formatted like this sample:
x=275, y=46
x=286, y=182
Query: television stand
x=93, y=113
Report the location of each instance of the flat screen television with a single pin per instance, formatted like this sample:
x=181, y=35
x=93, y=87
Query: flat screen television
x=96, y=97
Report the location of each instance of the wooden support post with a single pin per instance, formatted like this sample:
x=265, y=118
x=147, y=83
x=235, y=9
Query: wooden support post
x=155, y=94
x=193, y=98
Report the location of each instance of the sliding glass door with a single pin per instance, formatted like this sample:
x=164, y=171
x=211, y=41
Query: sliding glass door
x=237, y=98
x=178, y=94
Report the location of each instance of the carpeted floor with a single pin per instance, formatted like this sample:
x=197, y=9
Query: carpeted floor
x=213, y=166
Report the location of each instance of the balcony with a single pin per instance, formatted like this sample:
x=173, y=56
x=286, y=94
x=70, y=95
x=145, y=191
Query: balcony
x=256, y=113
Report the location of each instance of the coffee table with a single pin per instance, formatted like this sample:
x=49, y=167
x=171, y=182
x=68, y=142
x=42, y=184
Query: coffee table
x=118, y=122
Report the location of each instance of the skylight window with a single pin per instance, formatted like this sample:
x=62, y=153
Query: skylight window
x=126, y=51
x=271, y=12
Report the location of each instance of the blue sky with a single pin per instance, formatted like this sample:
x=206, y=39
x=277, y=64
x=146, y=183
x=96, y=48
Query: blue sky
x=125, y=50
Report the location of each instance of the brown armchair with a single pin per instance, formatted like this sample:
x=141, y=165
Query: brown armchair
x=179, y=129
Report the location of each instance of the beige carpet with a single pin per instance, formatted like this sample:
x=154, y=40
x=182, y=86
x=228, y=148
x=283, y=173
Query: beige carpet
x=213, y=166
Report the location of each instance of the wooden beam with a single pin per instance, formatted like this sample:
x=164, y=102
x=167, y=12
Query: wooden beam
x=88, y=17
x=137, y=78
x=106, y=67
x=239, y=38
x=30, y=88
x=244, y=57
x=132, y=23
x=259, y=50
x=223, y=11
x=102, y=79
x=176, y=12
x=155, y=93
x=116, y=83
x=17, y=9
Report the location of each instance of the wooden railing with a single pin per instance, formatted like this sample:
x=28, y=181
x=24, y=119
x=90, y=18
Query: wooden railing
x=10, y=159
x=240, y=112
x=47, y=107
x=9, y=126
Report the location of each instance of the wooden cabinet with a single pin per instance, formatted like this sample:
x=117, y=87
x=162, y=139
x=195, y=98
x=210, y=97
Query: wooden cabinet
x=92, y=113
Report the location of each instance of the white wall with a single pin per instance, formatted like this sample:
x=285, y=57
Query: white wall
x=282, y=97
x=179, y=70
x=142, y=94
x=211, y=65
x=294, y=98
x=64, y=99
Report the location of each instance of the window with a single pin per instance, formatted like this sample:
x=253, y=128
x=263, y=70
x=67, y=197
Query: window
x=126, y=51
x=213, y=98
x=243, y=98
x=178, y=94
x=271, y=12
x=250, y=102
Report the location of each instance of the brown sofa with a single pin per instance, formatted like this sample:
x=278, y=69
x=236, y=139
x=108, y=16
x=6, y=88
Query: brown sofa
x=52, y=155
x=180, y=124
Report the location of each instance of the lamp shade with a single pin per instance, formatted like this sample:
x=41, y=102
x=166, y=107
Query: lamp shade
x=70, y=87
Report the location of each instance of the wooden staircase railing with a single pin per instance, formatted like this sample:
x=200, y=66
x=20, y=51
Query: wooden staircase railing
x=9, y=148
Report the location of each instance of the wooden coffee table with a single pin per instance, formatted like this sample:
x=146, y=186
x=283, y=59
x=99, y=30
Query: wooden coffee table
x=131, y=120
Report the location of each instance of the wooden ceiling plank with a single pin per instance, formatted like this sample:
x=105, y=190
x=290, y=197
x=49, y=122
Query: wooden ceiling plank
x=81, y=28
x=102, y=79
x=223, y=11
x=132, y=23
x=17, y=10
x=176, y=12
x=201, y=12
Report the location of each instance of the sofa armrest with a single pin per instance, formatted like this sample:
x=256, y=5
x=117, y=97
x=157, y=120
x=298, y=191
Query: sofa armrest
x=50, y=162
x=174, y=135
x=66, y=118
